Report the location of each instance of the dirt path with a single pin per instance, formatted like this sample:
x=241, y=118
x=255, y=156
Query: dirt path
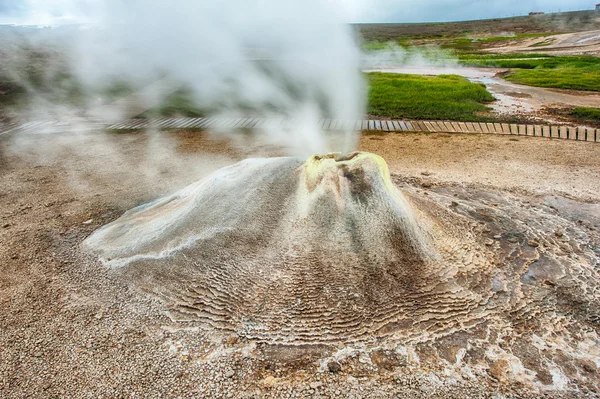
x=514, y=98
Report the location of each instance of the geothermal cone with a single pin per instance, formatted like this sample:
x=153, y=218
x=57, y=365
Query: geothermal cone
x=285, y=250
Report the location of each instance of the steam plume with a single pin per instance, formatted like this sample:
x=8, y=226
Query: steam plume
x=267, y=58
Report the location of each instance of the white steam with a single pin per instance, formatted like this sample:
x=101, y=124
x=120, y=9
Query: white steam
x=261, y=58
x=391, y=55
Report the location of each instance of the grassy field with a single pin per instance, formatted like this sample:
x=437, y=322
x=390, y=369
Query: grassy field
x=461, y=44
x=180, y=103
x=426, y=97
x=541, y=70
x=566, y=72
x=37, y=73
x=43, y=74
x=467, y=40
x=586, y=114
x=46, y=77
x=391, y=95
x=576, y=78
x=527, y=61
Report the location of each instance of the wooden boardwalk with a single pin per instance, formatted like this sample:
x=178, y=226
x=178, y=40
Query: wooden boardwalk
x=580, y=133
x=45, y=127
x=550, y=131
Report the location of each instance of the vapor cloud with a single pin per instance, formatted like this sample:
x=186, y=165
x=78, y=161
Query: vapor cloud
x=293, y=61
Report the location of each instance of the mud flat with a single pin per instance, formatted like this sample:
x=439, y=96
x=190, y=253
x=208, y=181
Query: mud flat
x=71, y=327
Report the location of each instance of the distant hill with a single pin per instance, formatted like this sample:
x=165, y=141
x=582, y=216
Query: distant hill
x=574, y=21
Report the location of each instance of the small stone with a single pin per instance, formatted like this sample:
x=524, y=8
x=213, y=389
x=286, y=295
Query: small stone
x=229, y=373
x=232, y=340
x=426, y=184
x=6, y=225
x=559, y=232
x=316, y=384
x=88, y=221
x=489, y=242
x=334, y=367
x=454, y=203
x=37, y=354
x=589, y=367
x=533, y=243
x=499, y=369
x=426, y=173
x=498, y=236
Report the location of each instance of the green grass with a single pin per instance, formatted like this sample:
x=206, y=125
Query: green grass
x=391, y=95
x=560, y=78
x=180, y=103
x=528, y=61
x=45, y=75
x=462, y=42
x=586, y=114
x=373, y=45
x=563, y=72
x=448, y=97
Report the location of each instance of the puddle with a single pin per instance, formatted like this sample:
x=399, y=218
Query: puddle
x=588, y=39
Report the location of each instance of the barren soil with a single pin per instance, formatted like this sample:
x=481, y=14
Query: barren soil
x=70, y=328
x=556, y=22
x=580, y=43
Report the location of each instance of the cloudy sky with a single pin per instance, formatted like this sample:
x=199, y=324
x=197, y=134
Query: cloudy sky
x=57, y=12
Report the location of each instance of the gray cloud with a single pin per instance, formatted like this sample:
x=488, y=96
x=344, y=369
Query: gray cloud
x=452, y=10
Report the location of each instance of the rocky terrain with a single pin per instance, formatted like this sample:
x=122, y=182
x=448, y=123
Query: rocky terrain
x=72, y=327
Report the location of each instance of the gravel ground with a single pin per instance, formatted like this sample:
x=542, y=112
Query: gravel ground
x=70, y=328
